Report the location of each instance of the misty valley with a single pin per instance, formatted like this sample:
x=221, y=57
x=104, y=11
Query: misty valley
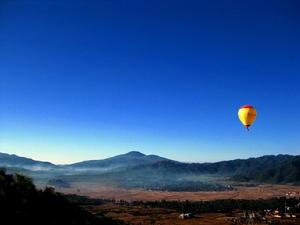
x=135, y=170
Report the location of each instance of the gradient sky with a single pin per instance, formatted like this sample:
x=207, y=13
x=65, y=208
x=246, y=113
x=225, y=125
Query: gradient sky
x=91, y=79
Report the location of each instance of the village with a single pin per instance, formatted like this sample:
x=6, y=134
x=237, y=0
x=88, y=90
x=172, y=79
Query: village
x=287, y=215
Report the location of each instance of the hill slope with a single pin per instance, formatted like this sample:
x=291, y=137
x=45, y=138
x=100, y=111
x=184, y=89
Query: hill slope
x=22, y=203
x=7, y=160
x=286, y=172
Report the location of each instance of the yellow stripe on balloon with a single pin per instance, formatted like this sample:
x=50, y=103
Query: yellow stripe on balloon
x=247, y=115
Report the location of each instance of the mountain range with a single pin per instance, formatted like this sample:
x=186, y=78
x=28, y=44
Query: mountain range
x=137, y=170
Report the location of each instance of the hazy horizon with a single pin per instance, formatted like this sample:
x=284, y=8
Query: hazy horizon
x=88, y=81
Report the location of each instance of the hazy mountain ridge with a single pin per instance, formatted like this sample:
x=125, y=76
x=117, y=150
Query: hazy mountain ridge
x=135, y=169
x=238, y=166
x=287, y=171
x=177, y=174
x=11, y=160
x=132, y=158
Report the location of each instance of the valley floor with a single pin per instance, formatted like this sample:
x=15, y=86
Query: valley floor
x=106, y=192
x=137, y=215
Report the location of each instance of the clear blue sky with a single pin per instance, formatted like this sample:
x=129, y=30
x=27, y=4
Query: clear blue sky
x=92, y=79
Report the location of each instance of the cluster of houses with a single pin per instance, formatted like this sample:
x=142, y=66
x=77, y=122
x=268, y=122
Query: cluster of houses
x=293, y=194
x=278, y=214
x=266, y=216
x=185, y=216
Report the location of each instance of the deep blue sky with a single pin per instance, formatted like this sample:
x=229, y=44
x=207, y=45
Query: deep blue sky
x=91, y=79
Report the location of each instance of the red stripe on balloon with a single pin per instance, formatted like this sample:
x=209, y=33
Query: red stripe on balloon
x=247, y=107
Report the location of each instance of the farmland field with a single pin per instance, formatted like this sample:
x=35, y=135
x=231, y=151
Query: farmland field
x=99, y=191
x=138, y=215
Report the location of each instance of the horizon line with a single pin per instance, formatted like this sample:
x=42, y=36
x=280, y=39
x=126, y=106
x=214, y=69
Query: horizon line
x=62, y=164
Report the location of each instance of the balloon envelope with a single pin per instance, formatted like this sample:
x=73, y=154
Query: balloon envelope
x=247, y=115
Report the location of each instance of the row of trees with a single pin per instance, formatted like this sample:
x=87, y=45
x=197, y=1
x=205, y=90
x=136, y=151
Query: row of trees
x=225, y=206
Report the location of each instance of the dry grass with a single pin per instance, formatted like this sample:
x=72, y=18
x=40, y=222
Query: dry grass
x=150, y=216
x=138, y=215
x=106, y=192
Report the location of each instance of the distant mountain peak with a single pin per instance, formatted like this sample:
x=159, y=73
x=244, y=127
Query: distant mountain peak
x=135, y=153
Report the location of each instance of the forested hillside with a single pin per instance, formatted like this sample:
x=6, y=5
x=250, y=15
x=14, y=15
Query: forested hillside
x=22, y=203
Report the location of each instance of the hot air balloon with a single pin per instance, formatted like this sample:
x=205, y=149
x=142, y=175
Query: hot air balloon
x=247, y=115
